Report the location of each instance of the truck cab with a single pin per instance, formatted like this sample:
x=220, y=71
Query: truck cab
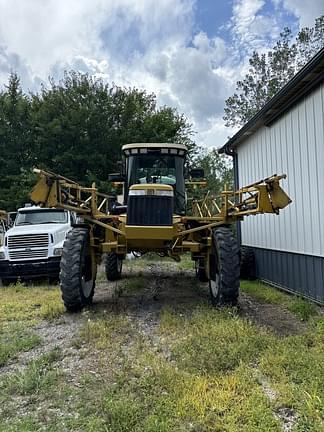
x=32, y=248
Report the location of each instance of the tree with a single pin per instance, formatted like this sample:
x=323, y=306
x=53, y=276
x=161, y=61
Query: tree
x=15, y=144
x=268, y=73
x=76, y=127
x=218, y=170
x=81, y=123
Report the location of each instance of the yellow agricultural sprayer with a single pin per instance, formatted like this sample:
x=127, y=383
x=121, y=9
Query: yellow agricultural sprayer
x=154, y=216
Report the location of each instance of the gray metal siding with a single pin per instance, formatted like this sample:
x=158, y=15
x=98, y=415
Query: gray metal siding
x=294, y=145
x=302, y=274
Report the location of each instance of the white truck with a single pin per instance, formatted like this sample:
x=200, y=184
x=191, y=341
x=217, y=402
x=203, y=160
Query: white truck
x=32, y=248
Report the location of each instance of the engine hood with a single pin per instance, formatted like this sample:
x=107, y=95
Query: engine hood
x=37, y=229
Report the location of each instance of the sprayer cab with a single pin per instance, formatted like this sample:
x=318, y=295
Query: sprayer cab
x=155, y=179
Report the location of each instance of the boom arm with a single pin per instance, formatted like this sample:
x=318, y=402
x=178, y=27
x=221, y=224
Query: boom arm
x=264, y=196
x=3, y=215
x=53, y=190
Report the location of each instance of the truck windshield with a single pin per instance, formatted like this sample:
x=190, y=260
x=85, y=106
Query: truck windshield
x=35, y=217
x=159, y=168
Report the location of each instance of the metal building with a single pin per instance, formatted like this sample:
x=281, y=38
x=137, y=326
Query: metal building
x=287, y=136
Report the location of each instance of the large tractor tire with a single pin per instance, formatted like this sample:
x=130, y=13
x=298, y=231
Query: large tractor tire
x=113, y=266
x=224, y=268
x=248, y=270
x=77, y=277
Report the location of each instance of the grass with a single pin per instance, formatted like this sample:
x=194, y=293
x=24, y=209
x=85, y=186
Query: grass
x=15, y=338
x=21, y=308
x=302, y=308
x=198, y=369
x=200, y=377
x=30, y=304
x=236, y=340
x=38, y=376
x=133, y=285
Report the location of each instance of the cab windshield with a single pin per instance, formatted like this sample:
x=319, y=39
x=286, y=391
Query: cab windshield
x=159, y=168
x=36, y=217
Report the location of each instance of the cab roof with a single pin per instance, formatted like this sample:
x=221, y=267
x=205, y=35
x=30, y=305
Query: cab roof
x=33, y=208
x=145, y=147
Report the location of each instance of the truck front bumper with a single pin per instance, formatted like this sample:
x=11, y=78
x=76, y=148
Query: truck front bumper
x=33, y=269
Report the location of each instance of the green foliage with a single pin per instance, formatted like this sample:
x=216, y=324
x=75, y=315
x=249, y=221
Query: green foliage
x=218, y=170
x=269, y=72
x=76, y=127
x=15, y=145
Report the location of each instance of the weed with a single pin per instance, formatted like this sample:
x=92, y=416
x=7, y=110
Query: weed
x=134, y=285
x=26, y=424
x=186, y=263
x=30, y=303
x=216, y=341
x=15, y=338
x=105, y=331
x=39, y=376
x=304, y=309
x=263, y=292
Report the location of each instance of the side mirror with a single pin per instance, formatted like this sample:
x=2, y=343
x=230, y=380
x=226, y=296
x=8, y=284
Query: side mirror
x=116, y=177
x=197, y=173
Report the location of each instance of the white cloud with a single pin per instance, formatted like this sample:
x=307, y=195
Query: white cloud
x=57, y=30
x=252, y=28
x=11, y=62
x=244, y=13
x=188, y=76
x=305, y=11
x=216, y=134
x=43, y=33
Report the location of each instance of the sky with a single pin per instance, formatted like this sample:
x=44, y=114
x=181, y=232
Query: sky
x=190, y=53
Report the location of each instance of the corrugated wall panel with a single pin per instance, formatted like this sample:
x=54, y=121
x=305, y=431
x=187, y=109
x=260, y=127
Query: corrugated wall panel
x=294, y=145
x=302, y=274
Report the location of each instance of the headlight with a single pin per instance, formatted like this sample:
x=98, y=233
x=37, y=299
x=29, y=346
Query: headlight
x=2, y=256
x=168, y=193
x=58, y=251
x=157, y=192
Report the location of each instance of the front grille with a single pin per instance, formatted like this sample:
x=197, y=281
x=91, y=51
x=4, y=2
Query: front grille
x=28, y=241
x=29, y=246
x=149, y=210
x=31, y=253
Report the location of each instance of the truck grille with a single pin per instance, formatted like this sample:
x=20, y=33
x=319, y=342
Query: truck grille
x=149, y=210
x=28, y=246
x=23, y=254
x=28, y=240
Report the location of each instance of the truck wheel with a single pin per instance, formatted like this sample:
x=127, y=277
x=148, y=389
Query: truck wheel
x=113, y=266
x=224, y=268
x=77, y=279
x=201, y=270
x=247, y=263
